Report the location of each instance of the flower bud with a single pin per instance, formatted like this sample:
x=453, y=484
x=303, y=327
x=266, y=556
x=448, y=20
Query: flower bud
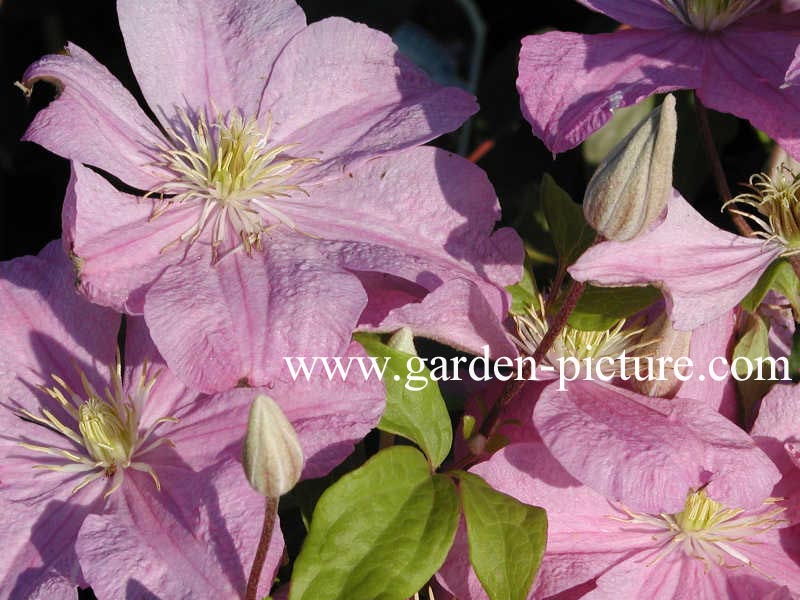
x=403, y=340
x=668, y=346
x=630, y=188
x=272, y=456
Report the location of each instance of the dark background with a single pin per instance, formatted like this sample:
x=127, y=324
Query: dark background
x=436, y=33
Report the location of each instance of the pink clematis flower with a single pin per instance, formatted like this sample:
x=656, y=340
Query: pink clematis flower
x=734, y=53
x=599, y=547
x=137, y=487
x=702, y=271
x=279, y=160
x=777, y=431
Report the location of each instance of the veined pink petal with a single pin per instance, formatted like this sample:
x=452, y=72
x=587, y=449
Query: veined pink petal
x=709, y=341
x=570, y=83
x=702, y=271
x=117, y=250
x=456, y=314
x=205, y=53
x=747, y=66
x=194, y=539
x=647, y=14
x=94, y=120
x=47, y=328
x=237, y=319
x=426, y=202
x=648, y=453
x=341, y=92
x=778, y=422
x=38, y=559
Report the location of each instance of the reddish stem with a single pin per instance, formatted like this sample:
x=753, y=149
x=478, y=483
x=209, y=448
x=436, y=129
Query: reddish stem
x=270, y=512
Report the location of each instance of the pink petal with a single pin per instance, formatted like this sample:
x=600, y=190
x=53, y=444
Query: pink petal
x=746, y=69
x=94, y=120
x=206, y=54
x=38, y=559
x=239, y=318
x=48, y=328
x=702, y=271
x=455, y=314
x=330, y=416
x=425, y=202
x=649, y=453
x=570, y=83
x=647, y=14
x=583, y=538
x=194, y=539
x=117, y=248
x=709, y=341
x=340, y=91
x=778, y=422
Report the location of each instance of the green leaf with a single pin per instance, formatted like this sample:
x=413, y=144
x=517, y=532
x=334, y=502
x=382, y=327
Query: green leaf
x=415, y=408
x=601, y=307
x=379, y=533
x=568, y=227
x=523, y=294
x=599, y=144
x=794, y=357
x=506, y=538
x=779, y=276
x=753, y=344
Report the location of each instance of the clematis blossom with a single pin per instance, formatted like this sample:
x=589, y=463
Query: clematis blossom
x=284, y=153
x=733, y=53
x=120, y=477
x=599, y=547
x=702, y=271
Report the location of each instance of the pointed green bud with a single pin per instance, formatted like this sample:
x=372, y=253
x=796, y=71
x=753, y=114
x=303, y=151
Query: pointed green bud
x=631, y=186
x=272, y=456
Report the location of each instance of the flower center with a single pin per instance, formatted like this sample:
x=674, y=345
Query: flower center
x=105, y=436
x=235, y=178
x=776, y=200
x=709, y=531
x=580, y=344
x=710, y=15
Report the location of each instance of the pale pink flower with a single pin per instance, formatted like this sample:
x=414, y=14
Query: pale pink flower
x=691, y=546
x=734, y=54
x=137, y=486
x=281, y=160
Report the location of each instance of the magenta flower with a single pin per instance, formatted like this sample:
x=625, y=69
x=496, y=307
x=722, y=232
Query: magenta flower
x=599, y=547
x=734, y=53
x=702, y=271
x=266, y=171
x=137, y=486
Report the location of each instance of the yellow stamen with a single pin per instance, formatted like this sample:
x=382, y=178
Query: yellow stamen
x=228, y=170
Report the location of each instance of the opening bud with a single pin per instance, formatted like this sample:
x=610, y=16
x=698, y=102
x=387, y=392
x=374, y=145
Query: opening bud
x=630, y=188
x=667, y=346
x=272, y=456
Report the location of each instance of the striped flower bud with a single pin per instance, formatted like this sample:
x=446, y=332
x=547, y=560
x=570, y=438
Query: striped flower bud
x=631, y=186
x=272, y=456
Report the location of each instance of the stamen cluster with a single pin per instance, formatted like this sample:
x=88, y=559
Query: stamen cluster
x=228, y=169
x=708, y=531
x=105, y=433
x=576, y=343
x=776, y=200
x=710, y=15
